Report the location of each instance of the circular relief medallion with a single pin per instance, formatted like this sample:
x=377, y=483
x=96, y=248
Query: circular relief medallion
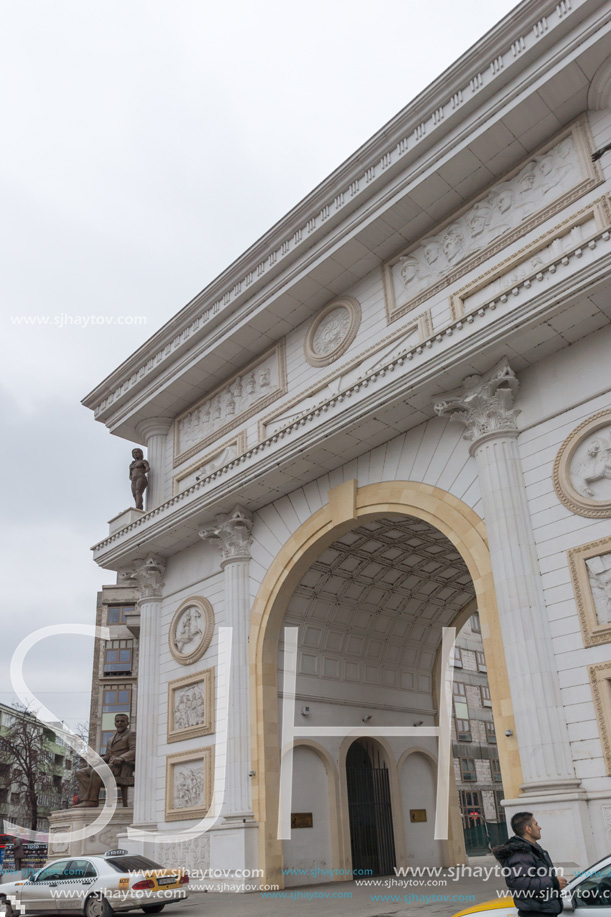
x=332, y=331
x=582, y=470
x=191, y=630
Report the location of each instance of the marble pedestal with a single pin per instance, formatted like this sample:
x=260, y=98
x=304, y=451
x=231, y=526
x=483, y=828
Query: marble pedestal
x=74, y=819
x=224, y=858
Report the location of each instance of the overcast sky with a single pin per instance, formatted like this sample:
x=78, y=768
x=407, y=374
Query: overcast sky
x=145, y=145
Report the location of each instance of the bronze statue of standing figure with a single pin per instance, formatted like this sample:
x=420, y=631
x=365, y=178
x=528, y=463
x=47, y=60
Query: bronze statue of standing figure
x=138, y=471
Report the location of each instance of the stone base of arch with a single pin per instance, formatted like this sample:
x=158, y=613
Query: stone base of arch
x=348, y=507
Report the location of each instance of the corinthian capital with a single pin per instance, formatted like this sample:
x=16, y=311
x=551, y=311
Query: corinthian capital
x=484, y=404
x=147, y=574
x=231, y=532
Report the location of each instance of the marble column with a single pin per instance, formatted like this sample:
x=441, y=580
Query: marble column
x=484, y=404
x=147, y=573
x=154, y=431
x=231, y=532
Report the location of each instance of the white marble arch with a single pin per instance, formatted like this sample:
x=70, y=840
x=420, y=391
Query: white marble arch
x=315, y=848
x=417, y=769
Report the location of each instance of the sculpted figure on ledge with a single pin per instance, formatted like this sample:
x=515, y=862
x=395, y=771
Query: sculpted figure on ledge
x=120, y=756
x=138, y=470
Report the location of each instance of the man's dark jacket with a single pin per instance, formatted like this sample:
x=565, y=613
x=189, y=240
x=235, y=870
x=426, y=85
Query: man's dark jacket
x=530, y=876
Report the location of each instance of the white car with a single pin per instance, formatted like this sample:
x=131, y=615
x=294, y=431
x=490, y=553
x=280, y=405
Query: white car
x=95, y=886
x=588, y=894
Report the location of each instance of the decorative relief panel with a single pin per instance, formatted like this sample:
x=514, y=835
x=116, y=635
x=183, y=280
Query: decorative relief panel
x=224, y=454
x=188, y=784
x=590, y=567
x=332, y=331
x=569, y=235
x=558, y=175
x=191, y=706
x=241, y=396
x=582, y=470
x=332, y=386
x=600, y=679
x=191, y=630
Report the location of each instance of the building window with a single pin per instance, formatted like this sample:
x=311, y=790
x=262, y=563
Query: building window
x=467, y=770
x=461, y=713
x=118, y=657
x=15, y=797
x=116, y=613
x=471, y=808
x=481, y=661
x=495, y=770
x=115, y=699
x=484, y=691
x=457, y=660
x=106, y=737
x=490, y=733
x=475, y=625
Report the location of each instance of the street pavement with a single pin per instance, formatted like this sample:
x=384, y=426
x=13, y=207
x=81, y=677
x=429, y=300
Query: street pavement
x=417, y=897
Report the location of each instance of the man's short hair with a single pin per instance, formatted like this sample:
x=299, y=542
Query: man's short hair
x=520, y=822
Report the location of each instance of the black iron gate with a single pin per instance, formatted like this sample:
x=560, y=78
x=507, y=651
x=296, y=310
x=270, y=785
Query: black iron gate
x=371, y=829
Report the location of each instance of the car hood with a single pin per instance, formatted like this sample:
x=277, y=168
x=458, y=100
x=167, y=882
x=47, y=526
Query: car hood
x=492, y=905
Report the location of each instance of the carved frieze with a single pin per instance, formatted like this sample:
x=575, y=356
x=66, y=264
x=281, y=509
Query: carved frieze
x=241, y=396
x=332, y=331
x=191, y=706
x=590, y=566
x=560, y=173
x=600, y=679
x=333, y=385
x=189, y=782
x=191, y=630
x=582, y=470
x=571, y=235
x=212, y=461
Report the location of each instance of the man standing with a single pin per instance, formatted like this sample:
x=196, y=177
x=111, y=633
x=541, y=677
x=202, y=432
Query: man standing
x=528, y=869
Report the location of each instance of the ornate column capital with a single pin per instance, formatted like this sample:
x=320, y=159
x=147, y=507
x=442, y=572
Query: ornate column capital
x=484, y=404
x=231, y=532
x=147, y=574
x=153, y=426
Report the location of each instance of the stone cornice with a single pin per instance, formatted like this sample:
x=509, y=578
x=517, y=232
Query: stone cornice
x=482, y=72
x=489, y=324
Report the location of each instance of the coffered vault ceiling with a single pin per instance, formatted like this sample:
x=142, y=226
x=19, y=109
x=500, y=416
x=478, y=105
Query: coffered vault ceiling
x=371, y=608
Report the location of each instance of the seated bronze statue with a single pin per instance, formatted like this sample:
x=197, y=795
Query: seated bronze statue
x=120, y=756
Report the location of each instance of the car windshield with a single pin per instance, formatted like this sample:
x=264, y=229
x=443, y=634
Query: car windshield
x=132, y=864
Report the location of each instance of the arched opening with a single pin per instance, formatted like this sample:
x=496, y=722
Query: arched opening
x=370, y=581
x=372, y=842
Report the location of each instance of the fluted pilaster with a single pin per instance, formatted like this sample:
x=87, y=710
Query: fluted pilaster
x=147, y=573
x=484, y=404
x=232, y=534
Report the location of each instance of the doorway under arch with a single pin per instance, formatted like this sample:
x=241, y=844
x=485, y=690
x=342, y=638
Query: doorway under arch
x=372, y=842
x=456, y=529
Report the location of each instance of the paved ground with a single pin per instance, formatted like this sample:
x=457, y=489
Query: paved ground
x=432, y=900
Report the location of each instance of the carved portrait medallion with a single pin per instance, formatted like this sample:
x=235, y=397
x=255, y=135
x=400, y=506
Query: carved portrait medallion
x=332, y=331
x=582, y=470
x=191, y=630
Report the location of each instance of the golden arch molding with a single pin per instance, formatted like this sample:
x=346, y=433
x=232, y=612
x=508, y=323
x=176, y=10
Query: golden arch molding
x=349, y=506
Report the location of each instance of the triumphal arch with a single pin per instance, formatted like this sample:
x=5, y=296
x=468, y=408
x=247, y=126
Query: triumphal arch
x=393, y=410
